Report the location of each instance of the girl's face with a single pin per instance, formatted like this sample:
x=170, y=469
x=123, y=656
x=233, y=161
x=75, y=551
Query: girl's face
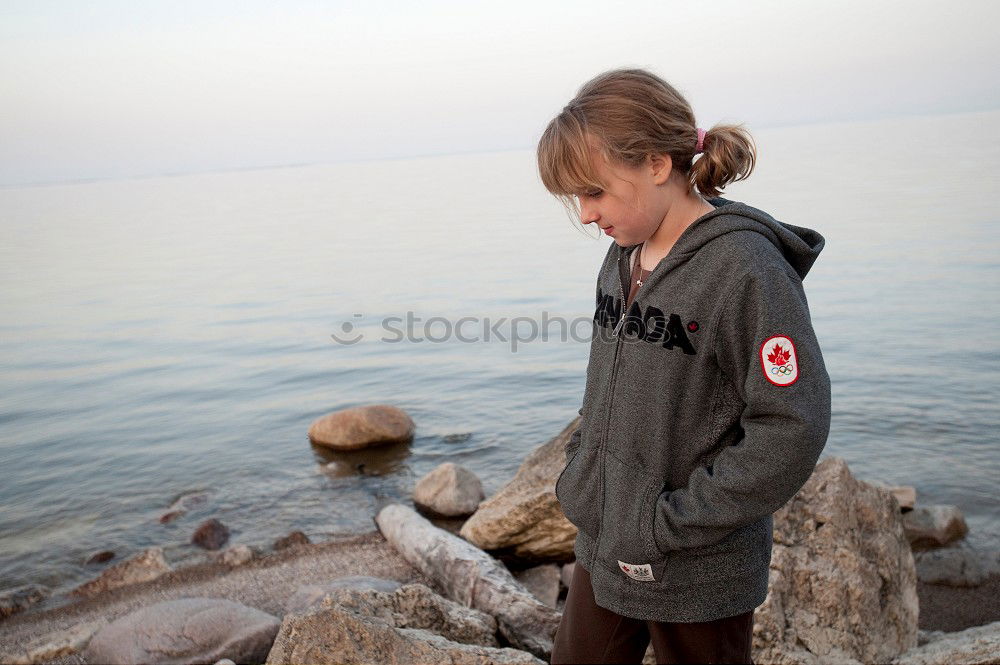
x=632, y=206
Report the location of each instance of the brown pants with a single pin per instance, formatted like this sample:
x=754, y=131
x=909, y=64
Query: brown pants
x=591, y=634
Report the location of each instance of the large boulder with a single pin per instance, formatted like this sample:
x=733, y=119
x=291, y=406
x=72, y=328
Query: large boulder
x=524, y=519
x=185, y=630
x=409, y=625
x=362, y=426
x=145, y=566
x=843, y=579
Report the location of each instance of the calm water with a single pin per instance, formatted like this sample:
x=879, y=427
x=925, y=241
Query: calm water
x=171, y=335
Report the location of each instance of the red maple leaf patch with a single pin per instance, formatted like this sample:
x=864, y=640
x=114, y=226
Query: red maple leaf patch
x=778, y=355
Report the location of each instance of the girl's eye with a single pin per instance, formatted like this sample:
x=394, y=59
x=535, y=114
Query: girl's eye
x=594, y=193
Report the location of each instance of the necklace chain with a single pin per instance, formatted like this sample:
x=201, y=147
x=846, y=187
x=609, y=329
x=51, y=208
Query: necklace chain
x=639, y=262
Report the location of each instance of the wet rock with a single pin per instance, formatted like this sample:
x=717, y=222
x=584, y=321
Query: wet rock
x=20, y=598
x=291, y=540
x=363, y=426
x=100, y=557
x=182, y=504
x=145, y=566
x=934, y=526
x=210, y=534
x=170, y=516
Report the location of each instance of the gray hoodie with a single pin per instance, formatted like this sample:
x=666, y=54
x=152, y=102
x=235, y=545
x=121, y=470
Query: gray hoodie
x=706, y=407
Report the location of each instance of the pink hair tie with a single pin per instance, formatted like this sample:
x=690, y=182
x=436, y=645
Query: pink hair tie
x=701, y=141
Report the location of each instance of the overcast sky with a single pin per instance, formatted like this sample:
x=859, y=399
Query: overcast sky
x=105, y=88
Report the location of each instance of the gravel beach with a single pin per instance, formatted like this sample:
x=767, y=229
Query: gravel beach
x=266, y=583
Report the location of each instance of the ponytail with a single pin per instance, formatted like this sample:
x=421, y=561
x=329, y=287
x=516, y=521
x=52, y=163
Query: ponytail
x=729, y=156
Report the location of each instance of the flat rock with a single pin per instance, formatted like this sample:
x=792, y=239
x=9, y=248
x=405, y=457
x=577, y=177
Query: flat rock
x=978, y=645
x=956, y=566
x=56, y=646
x=185, y=630
x=362, y=426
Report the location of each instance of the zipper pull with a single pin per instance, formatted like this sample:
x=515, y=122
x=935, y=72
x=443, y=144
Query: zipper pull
x=618, y=327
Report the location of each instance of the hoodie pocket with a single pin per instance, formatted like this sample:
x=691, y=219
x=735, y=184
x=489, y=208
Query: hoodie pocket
x=578, y=490
x=746, y=549
x=626, y=544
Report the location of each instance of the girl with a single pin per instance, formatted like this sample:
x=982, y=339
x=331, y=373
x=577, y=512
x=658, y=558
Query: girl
x=707, y=401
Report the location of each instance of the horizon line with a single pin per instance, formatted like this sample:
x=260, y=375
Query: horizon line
x=355, y=160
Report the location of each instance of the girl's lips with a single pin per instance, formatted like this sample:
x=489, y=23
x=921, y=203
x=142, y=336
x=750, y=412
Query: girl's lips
x=609, y=230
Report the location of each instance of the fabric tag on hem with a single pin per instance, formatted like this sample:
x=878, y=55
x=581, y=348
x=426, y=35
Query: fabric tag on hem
x=641, y=572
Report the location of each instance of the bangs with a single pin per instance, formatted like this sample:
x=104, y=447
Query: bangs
x=565, y=161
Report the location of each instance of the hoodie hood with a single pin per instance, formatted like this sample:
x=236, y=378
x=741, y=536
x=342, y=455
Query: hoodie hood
x=799, y=245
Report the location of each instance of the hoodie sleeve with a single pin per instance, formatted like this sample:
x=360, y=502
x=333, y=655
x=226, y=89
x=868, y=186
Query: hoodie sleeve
x=766, y=347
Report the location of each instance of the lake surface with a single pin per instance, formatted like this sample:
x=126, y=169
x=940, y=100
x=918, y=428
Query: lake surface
x=169, y=336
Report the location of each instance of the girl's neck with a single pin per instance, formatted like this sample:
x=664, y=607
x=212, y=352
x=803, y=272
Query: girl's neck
x=680, y=216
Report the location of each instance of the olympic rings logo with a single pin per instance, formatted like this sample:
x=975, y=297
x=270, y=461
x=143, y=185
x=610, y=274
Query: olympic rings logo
x=783, y=370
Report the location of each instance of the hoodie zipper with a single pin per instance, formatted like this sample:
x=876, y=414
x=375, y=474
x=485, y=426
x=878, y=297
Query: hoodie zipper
x=611, y=396
x=621, y=321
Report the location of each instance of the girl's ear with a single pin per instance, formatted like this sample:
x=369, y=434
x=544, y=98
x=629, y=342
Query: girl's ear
x=660, y=166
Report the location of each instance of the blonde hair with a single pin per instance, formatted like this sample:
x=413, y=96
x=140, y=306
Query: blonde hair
x=627, y=114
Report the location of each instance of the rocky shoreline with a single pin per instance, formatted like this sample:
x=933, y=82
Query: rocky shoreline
x=464, y=578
